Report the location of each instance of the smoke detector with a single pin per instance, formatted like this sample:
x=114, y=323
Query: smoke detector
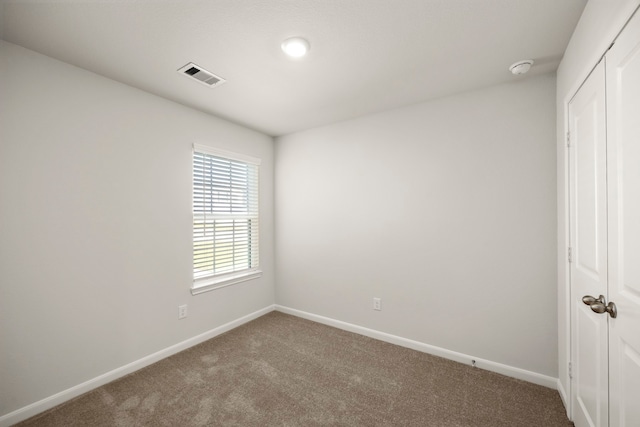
x=521, y=67
x=201, y=75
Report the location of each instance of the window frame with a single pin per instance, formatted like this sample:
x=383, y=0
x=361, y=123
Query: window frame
x=221, y=280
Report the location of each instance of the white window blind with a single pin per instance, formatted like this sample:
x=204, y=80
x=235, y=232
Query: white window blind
x=225, y=214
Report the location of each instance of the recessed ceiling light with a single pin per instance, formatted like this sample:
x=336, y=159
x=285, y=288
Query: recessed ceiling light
x=295, y=47
x=521, y=67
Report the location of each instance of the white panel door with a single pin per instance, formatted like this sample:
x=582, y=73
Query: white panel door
x=623, y=139
x=588, y=235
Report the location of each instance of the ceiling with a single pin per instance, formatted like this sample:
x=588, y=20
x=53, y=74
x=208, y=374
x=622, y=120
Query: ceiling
x=366, y=55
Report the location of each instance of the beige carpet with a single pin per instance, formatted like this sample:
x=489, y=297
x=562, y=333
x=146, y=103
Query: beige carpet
x=280, y=370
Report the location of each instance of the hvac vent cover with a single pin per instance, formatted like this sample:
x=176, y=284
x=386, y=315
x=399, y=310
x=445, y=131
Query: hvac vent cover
x=200, y=74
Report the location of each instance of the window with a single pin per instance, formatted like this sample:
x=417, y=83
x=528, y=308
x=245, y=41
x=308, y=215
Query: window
x=225, y=218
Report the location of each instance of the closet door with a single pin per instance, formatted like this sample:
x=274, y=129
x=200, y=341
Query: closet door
x=623, y=129
x=588, y=230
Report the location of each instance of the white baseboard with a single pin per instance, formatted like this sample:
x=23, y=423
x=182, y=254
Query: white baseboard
x=58, y=398
x=510, y=371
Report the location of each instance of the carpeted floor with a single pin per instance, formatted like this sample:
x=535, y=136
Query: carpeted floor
x=281, y=370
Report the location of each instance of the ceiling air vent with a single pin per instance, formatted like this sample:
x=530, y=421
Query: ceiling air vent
x=200, y=74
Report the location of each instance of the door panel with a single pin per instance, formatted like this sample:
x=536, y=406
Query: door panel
x=588, y=230
x=623, y=152
x=625, y=410
x=586, y=134
x=589, y=383
x=585, y=150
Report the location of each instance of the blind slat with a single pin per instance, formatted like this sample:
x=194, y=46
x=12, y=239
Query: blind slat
x=225, y=207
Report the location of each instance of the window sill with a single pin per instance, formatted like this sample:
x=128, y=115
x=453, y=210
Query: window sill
x=213, y=283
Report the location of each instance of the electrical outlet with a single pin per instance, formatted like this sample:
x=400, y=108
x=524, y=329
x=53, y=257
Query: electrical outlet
x=182, y=311
x=377, y=304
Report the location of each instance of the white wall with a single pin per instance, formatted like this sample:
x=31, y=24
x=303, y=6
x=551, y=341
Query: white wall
x=445, y=210
x=95, y=225
x=600, y=23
